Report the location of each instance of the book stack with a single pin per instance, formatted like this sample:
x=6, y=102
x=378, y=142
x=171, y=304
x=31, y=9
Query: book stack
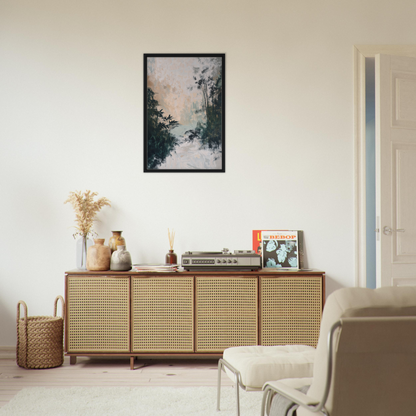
x=155, y=267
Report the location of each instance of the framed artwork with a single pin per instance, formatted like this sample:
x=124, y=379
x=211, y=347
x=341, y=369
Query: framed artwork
x=184, y=113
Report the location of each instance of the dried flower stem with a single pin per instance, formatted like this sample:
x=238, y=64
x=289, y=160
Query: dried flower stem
x=171, y=237
x=85, y=210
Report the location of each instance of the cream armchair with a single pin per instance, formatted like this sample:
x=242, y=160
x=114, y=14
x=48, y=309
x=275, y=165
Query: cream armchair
x=365, y=362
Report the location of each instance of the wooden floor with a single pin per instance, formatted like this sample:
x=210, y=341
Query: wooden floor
x=109, y=372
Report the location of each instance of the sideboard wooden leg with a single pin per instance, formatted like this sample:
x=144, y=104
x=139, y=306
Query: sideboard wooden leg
x=72, y=359
x=131, y=363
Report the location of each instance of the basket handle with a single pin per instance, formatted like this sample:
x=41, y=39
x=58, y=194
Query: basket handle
x=21, y=302
x=56, y=305
x=24, y=340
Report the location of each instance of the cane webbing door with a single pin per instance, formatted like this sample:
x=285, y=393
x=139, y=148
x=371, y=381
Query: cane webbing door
x=226, y=312
x=291, y=309
x=162, y=314
x=98, y=314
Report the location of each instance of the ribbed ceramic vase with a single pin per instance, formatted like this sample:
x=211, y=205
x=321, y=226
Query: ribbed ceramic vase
x=121, y=259
x=98, y=256
x=116, y=240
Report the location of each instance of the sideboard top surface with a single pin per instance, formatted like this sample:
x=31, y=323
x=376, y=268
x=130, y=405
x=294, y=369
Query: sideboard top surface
x=262, y=272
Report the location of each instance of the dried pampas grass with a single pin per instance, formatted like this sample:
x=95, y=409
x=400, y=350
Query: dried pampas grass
x=85, y=210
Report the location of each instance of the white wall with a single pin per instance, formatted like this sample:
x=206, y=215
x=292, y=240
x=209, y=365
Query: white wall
x=71, y=118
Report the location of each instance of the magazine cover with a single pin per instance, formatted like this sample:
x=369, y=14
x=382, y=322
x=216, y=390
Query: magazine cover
x=257, y=246
x=279, y=248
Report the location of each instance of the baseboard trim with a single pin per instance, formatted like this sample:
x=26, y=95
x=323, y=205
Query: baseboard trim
x=7, y=352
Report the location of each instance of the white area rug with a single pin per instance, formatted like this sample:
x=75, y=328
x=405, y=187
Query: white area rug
x=130, y=401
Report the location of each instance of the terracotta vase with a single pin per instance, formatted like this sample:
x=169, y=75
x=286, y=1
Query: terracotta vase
x=98, y=256
x=171, y=258
x=121, y=259
x=116, y=240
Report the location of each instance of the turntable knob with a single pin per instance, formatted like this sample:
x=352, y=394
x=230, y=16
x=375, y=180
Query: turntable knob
x=225, y=250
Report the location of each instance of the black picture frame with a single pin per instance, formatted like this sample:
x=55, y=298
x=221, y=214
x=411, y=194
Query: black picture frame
x=184, y=112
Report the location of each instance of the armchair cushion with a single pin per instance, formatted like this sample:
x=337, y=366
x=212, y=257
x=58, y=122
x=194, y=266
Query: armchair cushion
x=258, y=364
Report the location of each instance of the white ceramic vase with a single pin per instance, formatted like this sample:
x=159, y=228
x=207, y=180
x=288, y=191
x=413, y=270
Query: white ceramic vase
x=121, y=259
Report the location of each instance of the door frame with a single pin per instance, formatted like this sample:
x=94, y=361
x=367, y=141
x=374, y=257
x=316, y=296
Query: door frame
x=360, y=53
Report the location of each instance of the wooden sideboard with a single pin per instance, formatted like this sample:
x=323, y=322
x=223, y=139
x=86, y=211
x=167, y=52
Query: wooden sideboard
x=189, y=313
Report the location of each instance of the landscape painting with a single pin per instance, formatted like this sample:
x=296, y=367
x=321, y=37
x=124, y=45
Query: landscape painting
x=184, y=113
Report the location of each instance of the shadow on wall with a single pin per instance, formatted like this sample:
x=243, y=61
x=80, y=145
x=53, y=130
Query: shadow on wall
x=7, y=325
x=331, y=285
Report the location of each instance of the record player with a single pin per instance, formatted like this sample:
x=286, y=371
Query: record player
x=240, y=260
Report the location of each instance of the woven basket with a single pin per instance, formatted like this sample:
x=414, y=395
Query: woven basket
x=40, y=338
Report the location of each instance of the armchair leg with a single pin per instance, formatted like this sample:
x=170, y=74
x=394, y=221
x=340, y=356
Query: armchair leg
x=237, y=391
x=219, y=384
x=266, y=401
x=221, y=364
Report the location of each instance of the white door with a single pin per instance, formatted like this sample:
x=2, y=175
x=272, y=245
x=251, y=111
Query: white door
x=396, y=170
